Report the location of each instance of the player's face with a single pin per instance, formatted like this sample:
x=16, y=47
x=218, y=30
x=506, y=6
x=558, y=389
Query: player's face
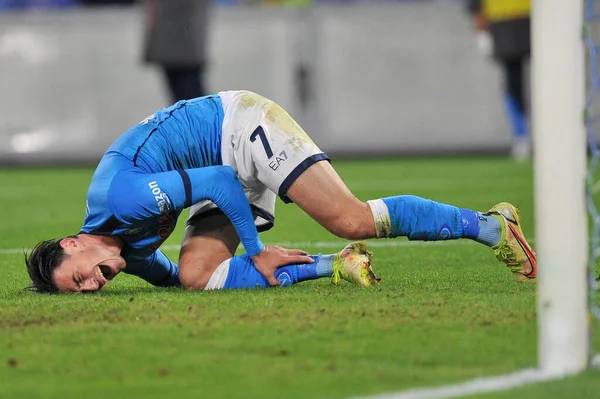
x=89, y=267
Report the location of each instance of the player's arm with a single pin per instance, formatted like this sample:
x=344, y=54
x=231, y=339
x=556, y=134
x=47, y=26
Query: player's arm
x=137, y=196
x=156, y=269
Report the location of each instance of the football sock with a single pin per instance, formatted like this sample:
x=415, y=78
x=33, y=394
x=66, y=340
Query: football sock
x=422, y=219
x=416, y=218
x=239, y=272
x=324, y=265
x=481, y=228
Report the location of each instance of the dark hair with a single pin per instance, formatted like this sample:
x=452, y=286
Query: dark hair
x=41, y=263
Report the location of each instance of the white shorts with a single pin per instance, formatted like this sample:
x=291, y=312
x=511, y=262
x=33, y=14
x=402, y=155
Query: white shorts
x=267, y=149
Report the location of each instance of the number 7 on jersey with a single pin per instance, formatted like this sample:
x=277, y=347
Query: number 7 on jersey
x=263, y=138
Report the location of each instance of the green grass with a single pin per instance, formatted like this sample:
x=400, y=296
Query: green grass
x=444, y=313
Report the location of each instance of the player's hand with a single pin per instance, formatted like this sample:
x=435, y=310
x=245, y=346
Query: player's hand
x=273, y=257
x=480, y=22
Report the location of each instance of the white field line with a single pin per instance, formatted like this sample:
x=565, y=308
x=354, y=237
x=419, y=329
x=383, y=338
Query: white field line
x=430, y=184
x=312, y=244
x=479, y=385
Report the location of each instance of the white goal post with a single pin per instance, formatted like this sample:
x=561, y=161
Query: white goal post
x=558, y=92
x=558, y=77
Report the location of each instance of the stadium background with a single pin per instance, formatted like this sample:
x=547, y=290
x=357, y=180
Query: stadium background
x=382, y=77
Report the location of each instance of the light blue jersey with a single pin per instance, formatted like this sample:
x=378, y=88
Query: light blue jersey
x=186, y=135
x=166, y=163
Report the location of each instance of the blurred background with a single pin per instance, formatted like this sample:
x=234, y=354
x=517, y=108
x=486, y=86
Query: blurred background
x=362, y=77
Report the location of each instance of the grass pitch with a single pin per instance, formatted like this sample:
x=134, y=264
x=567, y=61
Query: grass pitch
x=444, y=313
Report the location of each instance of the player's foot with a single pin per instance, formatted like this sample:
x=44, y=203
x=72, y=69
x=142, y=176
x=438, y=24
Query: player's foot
x=513, y=249
x=353, y=264
x=521, y=149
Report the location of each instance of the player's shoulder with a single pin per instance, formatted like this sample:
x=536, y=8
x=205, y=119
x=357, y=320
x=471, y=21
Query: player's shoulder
x=161, y=114
x=242, y=96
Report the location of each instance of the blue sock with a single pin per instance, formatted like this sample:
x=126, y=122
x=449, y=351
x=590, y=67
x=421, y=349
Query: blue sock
x=419, y=218
x=243, y=274
x=291, y=274
x=516, y=117
x=470, y=222
x=481, y=228
x=423, y=219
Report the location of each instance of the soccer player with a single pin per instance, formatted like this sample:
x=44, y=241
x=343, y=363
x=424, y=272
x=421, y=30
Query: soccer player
x=227, y=156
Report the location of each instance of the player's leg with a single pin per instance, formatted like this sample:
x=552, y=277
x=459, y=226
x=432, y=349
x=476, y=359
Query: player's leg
x=289, y=163
x=405, y=215
x=411, y=216
x=206, y=244
x=184, y=82
x=274, y=151
x=344, y=215
x=516, y=108
x=207, y=261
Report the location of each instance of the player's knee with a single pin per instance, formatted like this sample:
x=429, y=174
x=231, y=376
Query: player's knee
x=194, y=272
x=355, y=224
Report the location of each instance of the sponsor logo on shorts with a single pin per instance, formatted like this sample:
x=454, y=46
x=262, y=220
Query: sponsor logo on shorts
x=279, y=159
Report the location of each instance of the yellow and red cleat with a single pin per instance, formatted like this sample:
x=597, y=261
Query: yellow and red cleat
x=513, y=248
x=353, y=264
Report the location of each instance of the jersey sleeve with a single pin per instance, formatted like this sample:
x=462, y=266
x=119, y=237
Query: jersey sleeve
x=156, y=269
x=136, y=196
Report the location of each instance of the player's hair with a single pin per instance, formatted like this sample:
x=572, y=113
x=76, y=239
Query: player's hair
x=41, y=263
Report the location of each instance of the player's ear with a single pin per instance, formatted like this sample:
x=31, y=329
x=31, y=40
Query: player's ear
x=69, y=242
